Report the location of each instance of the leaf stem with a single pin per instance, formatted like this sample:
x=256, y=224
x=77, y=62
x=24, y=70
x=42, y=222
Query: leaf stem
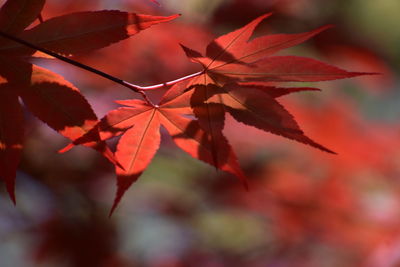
x=160, y=85
x=136, y=88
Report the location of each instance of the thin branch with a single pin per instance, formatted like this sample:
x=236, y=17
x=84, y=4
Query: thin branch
x=72, y=62
x=136, y=88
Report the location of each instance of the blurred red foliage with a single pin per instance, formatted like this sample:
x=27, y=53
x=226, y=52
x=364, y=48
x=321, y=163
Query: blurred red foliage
x=304, y=208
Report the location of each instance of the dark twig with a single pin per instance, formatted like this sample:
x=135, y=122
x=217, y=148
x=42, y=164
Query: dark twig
x=136, y=88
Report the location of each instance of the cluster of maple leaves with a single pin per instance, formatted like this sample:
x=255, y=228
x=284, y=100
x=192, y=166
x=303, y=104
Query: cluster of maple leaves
x=238, y=76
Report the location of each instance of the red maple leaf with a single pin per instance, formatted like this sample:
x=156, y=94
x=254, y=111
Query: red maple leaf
x=47, y=95
x=231, y=66
x=139, y=124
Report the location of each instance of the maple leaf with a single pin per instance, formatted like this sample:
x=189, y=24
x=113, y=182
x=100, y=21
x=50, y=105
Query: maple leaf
x=230, y=65
x=139, y=124
x=47, y=95
x=234, y=56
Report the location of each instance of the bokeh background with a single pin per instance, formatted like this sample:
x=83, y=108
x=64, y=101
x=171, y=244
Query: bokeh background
x=304, y=208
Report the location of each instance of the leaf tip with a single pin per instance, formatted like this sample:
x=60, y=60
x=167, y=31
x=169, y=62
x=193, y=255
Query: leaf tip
x=183, y=46
x=190, y=53
x=264, y=16
x=260, y=18
x=11, y=192
x=117, y=200
x=123, y=183
x=331, y=152
x=108, y=154
x=242, y=178
x=367, y=73
x=174, y=16
x=324, y=149
x=14, y=201
x=66, y=148
x=355, y=74
x=112, y=210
